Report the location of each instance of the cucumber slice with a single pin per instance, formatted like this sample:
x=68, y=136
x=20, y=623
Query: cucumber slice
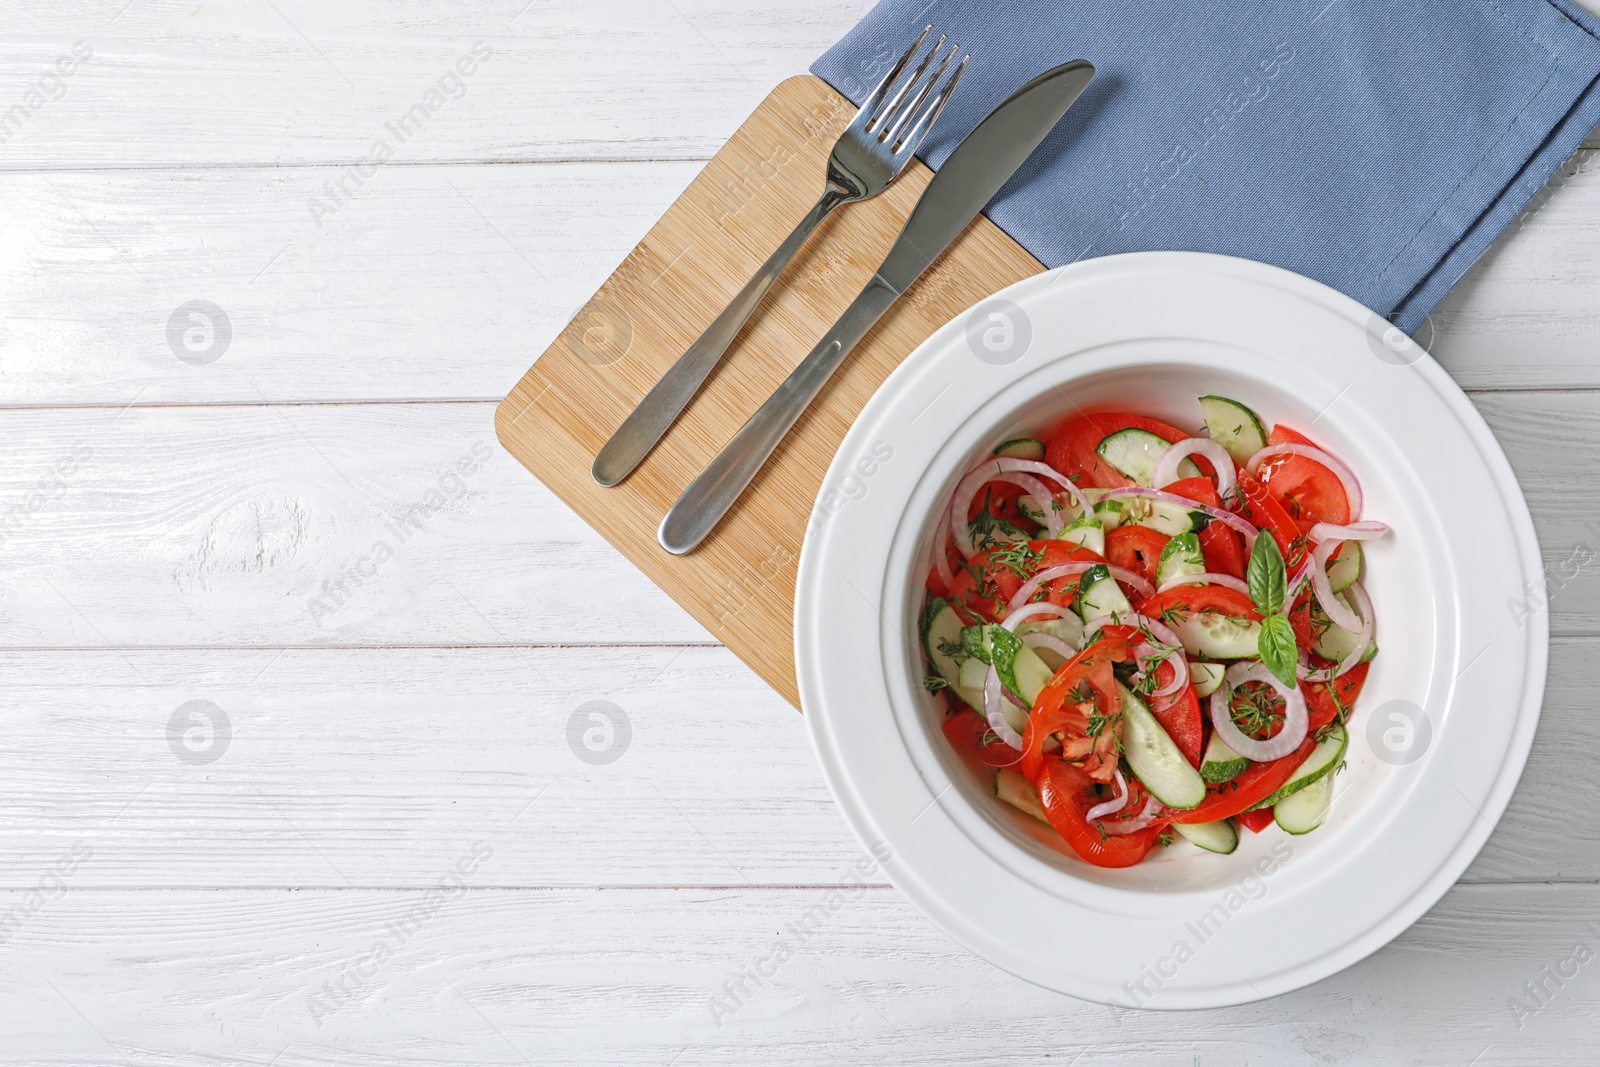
x=1343, y=571
x=1013, y=787
x=973, y=672
x=1134, y=452
x=1336, y=642
x=1218, y=636
x=1320, y=765
x=1181, y=556
x=1233, y=426
x=1087, y=532
x=1169, y=519
x=1109, y=512
x=1155, y=759
x=1068, y=629
x=1306, y=810
x=1019, y=667
x=1221, y=837
x=941, y=629
x=1221, y=763
x=1022, y=448
x=1206, y=677
x=1030, y=673
x=1099, y=594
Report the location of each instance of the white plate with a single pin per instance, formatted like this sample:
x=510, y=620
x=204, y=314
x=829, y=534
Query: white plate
x=1185, y=929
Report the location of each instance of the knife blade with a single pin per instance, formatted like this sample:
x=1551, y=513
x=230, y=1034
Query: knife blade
x=983, y=162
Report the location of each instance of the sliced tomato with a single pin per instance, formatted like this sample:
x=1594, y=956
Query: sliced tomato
x=976, y=591
x=1300, y=619
x=968, y=730
x=1066, y=793
x=1072, y=448
x=1137, y=549
x=1200, y=490
x=1183, y=723
x=1282, y=435
x=1263, y=508
x=1185, y=599
x=1324, y=699
x=1309, y=491
x=1055, y=553
x=1223, y=550
x=1255, y=821
x=1059, y=709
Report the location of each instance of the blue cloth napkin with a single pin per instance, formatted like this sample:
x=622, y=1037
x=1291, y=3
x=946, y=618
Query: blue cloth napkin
x=1378, y=146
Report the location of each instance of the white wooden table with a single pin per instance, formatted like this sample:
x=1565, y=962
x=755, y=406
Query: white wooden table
x=259, y=884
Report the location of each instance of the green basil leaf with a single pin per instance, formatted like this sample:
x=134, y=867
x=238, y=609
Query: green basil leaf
x=1277, y=648
x=1264, y=576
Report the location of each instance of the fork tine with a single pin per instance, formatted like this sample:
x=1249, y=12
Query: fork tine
x=887, y=113
x=913, y=138
x=869, y=106
x=909, y=113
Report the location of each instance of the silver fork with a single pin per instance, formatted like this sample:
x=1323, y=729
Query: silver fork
x=872, y=152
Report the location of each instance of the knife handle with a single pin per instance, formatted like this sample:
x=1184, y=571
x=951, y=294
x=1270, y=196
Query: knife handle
x=709, y=497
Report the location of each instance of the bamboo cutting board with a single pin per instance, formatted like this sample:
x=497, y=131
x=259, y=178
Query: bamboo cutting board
x=740, y=582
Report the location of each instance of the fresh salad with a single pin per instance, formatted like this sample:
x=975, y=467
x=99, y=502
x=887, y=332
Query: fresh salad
x=1149, y=632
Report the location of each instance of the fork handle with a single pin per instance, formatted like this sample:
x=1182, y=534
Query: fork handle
x=665, y=401
x=709, y=497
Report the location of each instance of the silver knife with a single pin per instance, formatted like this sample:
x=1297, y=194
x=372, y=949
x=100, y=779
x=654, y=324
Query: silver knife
x=969, y=179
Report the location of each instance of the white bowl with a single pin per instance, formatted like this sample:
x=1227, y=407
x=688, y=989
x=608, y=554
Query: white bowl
x=1459, y=668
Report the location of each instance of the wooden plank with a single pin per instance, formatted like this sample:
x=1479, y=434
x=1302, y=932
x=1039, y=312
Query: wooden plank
x=373, y=767
x=320, y=524
x=739, y=582
x=216, y=526
x=1527, y=314
x=430, y=282
x=444, y=282
x=370, y=767
x=191, y=979
x=299, y=82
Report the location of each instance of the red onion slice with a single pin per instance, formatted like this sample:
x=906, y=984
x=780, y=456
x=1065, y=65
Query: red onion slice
x=1044, y=470
x=1167, y=466
x=995, y=712
x=994, y=470
x=1112, y=806
x=1117, y=827
x=1296, y=720
x=1363, y=641
x=1346, y=476
x=1050, y=641
x=1132, y=581
x=1208, y=578
x=1227, y=518
x=1028, y=611
x=962, y=503
x=1331, y=607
